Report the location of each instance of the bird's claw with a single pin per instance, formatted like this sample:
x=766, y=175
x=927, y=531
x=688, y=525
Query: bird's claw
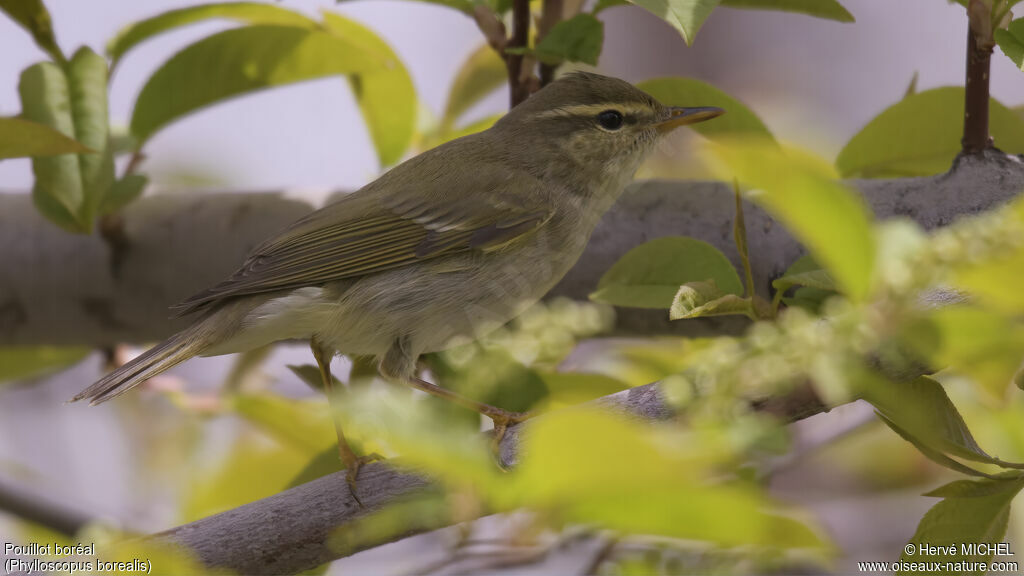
x=352, y=467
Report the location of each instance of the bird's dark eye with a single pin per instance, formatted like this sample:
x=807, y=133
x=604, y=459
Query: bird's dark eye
x=610, y=120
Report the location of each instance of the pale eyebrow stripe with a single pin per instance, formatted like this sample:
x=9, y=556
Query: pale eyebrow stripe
x=593, y=110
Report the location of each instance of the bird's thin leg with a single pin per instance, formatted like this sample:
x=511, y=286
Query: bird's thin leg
x=399, y=364
x=348, y=457
x=502, y=418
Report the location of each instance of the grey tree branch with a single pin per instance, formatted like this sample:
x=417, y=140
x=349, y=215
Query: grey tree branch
x=63, y=289
x=28, y=506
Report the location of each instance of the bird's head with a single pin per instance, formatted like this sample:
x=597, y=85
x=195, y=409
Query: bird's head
x=595, y=123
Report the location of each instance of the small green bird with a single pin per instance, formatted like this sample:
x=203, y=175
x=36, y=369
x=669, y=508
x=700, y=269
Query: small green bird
x=449, y=245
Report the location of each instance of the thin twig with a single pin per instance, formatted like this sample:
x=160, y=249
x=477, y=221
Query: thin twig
x=42, y=512
x=602, y=556
x=133, y=163
x=979, y=57
x=518, y=89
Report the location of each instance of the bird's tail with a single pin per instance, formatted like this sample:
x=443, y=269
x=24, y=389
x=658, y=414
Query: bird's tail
x=163, y=356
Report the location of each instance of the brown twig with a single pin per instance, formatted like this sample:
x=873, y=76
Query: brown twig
x=979, y=56
x=518, y=88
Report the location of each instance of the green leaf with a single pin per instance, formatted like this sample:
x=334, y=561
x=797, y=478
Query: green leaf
x=57, y=192
x=386, y=95
x=686, y=16
x=920, y=135
x=805, y=297
x=437, y=138
x=304, y=425
x=123, y=192
x=649, y=275
x=492, y=376
x=24, y=362
x=602, y=5
x=923, y=410
x=21, y=138
x=87, y=80
x=819, y=279
x=423, y=511
x=1011, y=42
x=464, y=6
x=570, y=388
x=699, y=299
x=72, y=100
x=311, y=376
x=247, y=12
x=326, y=462
x=972, y=511
x=738, y=119
x=828, y=9
x=33, y=17
x=239, y=61
x=995, y=282
x=981, y=344
x=578, y=39
x=250, y=470
x=799, y=189
x=482, y=73
x=653, y=488
x=931, y=453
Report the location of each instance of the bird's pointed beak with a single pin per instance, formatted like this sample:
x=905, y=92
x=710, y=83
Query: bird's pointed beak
x=683, y=116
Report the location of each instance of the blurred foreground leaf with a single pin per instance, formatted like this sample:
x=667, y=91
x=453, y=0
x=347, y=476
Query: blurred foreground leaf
x=302, y=424
x=250, y=470
x=995, y=282
x=421, y=513
x=570, y=388
x=23, y=362
x=799, y=189
x=918, y=137
x=981, y=344
x=589, y=466
x=20, y=138
x=649, y=276
x=141, y=555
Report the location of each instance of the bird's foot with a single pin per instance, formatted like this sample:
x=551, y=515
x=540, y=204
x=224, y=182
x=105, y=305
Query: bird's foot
x=353, y=464
x=502, y=420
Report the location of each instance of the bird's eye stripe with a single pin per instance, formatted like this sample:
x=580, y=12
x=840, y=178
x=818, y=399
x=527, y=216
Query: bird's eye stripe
x=590, y=110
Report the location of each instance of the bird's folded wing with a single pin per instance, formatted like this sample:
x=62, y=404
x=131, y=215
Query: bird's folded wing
x=368, y=233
